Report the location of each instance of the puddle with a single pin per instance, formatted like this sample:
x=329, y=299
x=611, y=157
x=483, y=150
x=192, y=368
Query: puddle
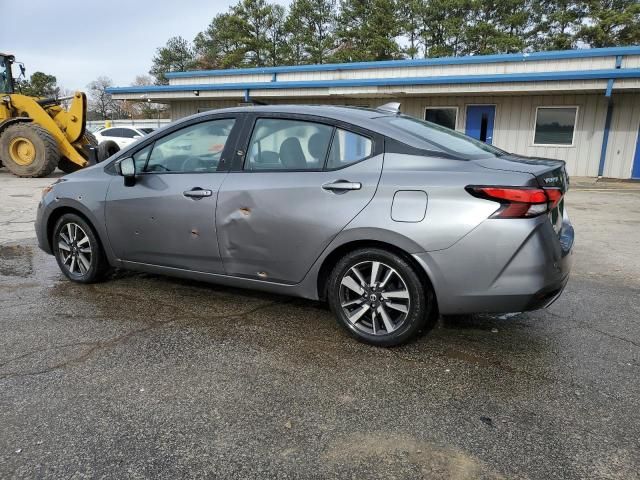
x=16, y=261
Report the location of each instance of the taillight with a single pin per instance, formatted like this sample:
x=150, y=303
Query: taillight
x=519, y=202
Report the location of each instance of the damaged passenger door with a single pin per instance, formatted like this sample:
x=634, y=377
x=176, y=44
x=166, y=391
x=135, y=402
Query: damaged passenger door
x=167, y=217
x=295, y=184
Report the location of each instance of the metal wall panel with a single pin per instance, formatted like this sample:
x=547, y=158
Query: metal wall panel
x=514, y=123
x=220, y=79
x=623, y=135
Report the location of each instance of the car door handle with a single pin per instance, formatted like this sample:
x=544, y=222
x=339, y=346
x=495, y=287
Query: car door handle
x=197, y=193
x=342, y=185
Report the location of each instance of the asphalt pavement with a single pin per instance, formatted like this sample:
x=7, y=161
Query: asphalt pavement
x=146, y=376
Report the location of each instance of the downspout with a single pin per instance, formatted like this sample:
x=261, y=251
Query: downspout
x=607, y=122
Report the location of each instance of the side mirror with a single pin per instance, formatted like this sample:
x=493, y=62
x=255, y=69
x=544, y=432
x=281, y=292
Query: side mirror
x=127, y=168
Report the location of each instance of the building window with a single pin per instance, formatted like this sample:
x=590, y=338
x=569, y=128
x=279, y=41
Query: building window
x=555, y=125
x=444, y=116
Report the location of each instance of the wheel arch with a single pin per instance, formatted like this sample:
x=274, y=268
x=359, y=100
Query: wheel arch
x=58, y=212
x=343, y=249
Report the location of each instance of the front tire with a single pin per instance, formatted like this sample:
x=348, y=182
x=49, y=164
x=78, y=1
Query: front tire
x=378, y=297
x=77, y=250
x=28, y=150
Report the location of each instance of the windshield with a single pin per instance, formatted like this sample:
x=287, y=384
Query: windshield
x=444, y=139
x=146, y=130
x=5, y=75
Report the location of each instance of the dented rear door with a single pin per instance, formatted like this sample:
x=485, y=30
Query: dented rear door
x=273, y=225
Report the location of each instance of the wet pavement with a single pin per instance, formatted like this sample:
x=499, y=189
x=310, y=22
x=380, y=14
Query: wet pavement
x=151, y=377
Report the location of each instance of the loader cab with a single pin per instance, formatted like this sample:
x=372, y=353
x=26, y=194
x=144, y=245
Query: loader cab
x=6, y=77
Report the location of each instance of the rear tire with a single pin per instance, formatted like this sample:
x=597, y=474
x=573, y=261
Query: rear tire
x=78, y=251
x=106, y=149
x=28, y=150
x=378, y=297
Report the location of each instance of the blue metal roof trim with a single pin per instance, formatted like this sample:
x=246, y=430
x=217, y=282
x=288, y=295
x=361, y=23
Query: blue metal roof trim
x=508, y=57
x=384, y=82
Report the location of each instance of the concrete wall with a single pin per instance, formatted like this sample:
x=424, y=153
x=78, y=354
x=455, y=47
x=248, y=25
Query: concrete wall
x=514, y=124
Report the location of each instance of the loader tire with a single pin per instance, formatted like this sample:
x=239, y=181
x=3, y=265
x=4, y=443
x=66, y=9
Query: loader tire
x=106, y=149
x=90, y=138
x=66, y=165
x=28, y=150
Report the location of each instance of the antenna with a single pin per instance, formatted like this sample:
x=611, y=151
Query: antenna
x=391, y=107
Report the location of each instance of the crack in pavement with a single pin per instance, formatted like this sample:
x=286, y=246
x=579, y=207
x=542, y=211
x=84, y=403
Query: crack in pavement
x=587, y=326
x=103, y=345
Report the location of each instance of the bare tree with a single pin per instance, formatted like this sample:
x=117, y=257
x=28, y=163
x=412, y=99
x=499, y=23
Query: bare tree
x=100, y=101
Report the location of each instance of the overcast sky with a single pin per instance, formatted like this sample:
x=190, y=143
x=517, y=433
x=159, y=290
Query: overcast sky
x=79, y=40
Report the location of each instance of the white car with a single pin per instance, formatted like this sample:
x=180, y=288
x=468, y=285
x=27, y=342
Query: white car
x=123, y=136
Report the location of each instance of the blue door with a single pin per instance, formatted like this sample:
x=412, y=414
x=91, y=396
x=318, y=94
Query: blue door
x=480, y=122
x=635, y=171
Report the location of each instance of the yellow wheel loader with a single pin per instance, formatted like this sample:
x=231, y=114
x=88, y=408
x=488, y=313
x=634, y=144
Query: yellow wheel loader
x=38, y=134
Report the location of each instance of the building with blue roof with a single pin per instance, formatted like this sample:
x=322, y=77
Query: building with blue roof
x=580, y=106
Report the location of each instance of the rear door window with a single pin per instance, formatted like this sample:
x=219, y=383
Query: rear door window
x=288, y=144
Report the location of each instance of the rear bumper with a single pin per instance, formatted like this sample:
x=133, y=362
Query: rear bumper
x=502, y=266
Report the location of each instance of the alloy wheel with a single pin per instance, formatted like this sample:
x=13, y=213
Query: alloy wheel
x=374, y=298
x=75, y=249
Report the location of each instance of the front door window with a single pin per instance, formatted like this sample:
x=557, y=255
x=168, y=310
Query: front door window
x=194, y=149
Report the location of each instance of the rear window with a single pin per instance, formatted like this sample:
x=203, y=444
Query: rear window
x=442, y=138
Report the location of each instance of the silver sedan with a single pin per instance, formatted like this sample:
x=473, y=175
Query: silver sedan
x=390, y=219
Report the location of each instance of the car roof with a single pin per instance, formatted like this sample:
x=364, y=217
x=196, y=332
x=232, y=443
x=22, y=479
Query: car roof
x=335, y=112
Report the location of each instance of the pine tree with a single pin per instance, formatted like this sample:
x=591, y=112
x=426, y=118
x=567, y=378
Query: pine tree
x=367, y=30
x=611, y=23
x=443, y=27
x=177, y=55
x=556, y=23
x=311, y=24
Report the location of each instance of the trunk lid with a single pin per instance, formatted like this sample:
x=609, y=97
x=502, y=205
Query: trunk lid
x=548, y=172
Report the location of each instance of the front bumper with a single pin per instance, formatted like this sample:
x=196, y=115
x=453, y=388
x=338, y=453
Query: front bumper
x=41, y=228
x=502, y=266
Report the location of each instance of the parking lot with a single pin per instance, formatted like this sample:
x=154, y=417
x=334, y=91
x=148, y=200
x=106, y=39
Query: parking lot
x=152, y=377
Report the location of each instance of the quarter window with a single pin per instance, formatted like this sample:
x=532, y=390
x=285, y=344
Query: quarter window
x=443, y=116
x=196, y=148
x=555, y=125
x=348, y=147
x=278, y=144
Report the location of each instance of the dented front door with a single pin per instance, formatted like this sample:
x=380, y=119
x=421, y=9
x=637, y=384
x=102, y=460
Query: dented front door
x=168, y=217
x=156, y=221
